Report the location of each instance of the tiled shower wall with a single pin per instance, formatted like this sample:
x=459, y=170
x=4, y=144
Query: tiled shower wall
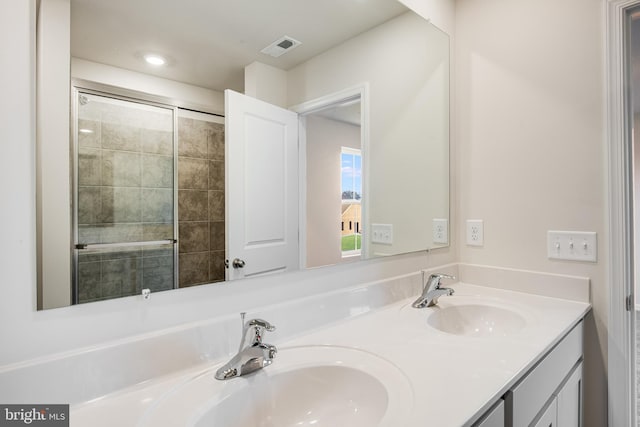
x=126, y=191
x=125, y=194
x=201, y=201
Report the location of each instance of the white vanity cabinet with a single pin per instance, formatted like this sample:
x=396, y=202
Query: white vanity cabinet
x=550, y=394
x=565, y=408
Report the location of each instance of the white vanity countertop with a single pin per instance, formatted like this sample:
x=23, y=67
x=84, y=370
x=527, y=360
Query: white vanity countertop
x=454, y=379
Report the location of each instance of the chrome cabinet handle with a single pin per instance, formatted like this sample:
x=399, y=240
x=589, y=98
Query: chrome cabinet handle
x=238, y=263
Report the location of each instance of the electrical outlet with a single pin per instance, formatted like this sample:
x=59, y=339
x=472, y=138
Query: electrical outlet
x=475, y=232
x=440, y=231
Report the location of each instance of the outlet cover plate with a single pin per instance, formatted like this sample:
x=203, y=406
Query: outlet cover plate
x=475, y=232
x=440, y=230
x=572, y=245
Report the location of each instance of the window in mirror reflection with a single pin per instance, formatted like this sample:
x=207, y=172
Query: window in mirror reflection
x=351, y=184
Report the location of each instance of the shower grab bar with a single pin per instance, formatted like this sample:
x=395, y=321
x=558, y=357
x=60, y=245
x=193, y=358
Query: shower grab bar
x=82, y=246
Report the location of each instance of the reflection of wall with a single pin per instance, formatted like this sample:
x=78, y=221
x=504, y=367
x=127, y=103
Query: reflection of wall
x=409, y=121
x=200, y=200
x=325, y=138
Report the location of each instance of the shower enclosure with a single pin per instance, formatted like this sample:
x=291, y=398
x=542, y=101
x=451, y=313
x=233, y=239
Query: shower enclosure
x=144, y=173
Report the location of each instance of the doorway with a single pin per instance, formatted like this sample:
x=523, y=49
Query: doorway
x=333, y=187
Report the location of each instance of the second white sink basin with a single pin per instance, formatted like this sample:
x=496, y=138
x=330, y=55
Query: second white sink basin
x=476, y=320
x=319, y=386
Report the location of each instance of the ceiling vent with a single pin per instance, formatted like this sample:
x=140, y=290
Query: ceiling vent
x=281, y=46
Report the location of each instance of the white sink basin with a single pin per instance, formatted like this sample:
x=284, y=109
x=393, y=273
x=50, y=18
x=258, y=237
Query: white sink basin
x=476, y=320
x=319, y=386
x=314, y=396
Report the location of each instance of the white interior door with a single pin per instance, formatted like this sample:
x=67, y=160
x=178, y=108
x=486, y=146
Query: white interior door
x=261, y=144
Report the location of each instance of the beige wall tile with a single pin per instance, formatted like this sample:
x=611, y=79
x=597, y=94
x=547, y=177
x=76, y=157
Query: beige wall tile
x=89, y=166
x=194, y=268
x=216, y=175
x=121, y=169
x=215, y=141
x=192, y=140
x=194, y=237
x=157, y=205
x=216, y=266
x=193, y=174
x=92, y=138
x=193, y=205
x=89, y=205
x=216, y=206
x=120, y=205
x=157, y=171
x=217, y=235
x=121, y=137
x=157, y=142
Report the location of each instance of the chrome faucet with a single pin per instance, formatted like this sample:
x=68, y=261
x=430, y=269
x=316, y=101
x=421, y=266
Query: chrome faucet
x=432, y=290
x=253, y=353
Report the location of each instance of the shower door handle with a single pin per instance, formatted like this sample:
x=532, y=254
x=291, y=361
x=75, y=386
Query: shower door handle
x=238, y=263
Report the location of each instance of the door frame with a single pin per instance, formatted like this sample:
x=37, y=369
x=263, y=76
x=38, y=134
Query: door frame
x=621, y=331
x=303, y=109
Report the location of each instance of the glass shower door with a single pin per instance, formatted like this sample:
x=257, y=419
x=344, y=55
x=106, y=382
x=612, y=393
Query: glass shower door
x=124, y=204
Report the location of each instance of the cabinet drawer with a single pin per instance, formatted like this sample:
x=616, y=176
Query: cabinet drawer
x=528, y=397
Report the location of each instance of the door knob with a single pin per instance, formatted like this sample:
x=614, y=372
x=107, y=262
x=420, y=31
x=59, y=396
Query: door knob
x=238, y=263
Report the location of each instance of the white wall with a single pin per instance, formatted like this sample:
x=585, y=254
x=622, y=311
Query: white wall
x=530, y=134
x=26, y=333
x=53, y=181
x=325, y=139
x=440, y=13
x=267, y=83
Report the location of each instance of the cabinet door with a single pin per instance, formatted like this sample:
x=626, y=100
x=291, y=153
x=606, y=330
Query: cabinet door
x=570, y=400
x=549, y=417
x=494, y=417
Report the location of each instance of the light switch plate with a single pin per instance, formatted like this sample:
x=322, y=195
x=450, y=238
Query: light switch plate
x=440, y=230
x=572, y=245
x=382, y=233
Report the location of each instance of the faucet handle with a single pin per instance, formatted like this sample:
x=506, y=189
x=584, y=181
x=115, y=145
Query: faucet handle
x=442, y=276
x=261, y=324
x=434, y=280
x=253, y=330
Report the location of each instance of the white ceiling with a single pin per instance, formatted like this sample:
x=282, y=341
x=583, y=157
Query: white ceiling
x=209, y=42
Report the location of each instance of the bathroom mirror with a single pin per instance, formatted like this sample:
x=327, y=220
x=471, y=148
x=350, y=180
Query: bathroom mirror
x=402, y=170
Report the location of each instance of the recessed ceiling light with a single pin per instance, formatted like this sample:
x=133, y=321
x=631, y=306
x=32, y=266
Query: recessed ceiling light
x=86, y=131
x=155, y=59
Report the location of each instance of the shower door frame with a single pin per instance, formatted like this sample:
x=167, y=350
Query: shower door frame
x=79, y=86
